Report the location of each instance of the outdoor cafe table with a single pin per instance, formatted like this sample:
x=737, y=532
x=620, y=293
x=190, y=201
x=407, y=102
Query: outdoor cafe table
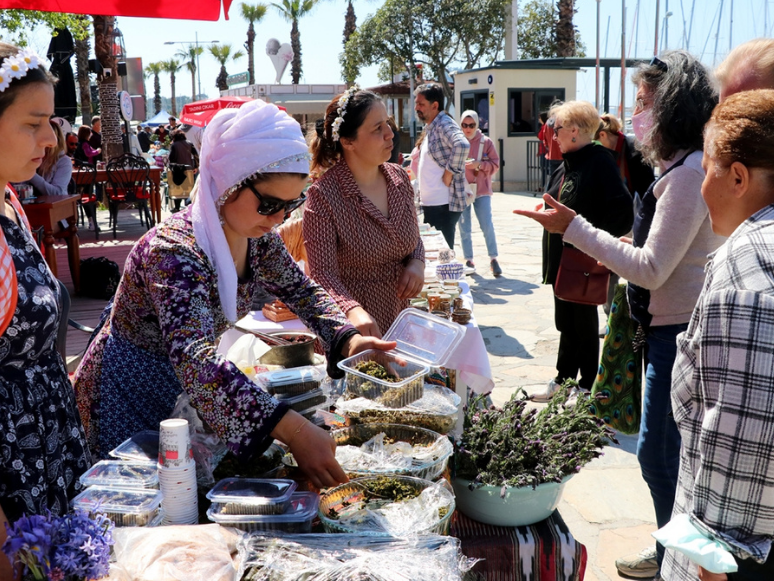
x=84, y=178
x=47, y=212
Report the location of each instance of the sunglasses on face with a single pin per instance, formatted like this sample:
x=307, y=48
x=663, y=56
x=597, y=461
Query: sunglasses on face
x=268, y=206
x=468, y=125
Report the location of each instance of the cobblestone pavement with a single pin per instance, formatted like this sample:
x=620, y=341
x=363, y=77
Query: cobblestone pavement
x=607, y=505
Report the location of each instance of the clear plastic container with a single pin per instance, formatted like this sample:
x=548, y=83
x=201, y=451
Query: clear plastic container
x=121, y=474
x=252, y=496
x=423, y=340
x=141, y=447
x=305, y=401
x=297, y=519
x=125, y=507
x=291, y=382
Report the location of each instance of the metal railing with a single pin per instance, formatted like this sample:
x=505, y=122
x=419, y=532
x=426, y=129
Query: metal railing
x=535, y=167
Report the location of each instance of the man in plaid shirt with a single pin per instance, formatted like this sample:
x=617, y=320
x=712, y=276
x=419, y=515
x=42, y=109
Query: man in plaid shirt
x=442, y=155
x=723, y=378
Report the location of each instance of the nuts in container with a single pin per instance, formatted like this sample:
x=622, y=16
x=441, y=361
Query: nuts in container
x=296, y=519
x=120, y=474
x=125, y=507
x=253, y=496
x=291, y=382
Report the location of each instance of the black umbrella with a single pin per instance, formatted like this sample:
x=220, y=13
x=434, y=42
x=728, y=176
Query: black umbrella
x=59, y=52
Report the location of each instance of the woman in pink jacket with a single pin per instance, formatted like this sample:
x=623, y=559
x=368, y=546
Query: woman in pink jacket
x=479, y=170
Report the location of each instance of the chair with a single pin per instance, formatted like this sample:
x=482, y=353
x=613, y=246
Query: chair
x=128, y=183
x=181, y=191
x=64, y=322
x=87, y=188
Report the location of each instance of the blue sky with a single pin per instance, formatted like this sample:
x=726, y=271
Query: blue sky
x=321, y=36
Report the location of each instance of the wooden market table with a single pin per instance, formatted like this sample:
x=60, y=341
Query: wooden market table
x=47, y=212
x=84, y=178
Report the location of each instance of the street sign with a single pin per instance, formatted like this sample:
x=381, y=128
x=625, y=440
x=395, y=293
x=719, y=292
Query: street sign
x=236, y=79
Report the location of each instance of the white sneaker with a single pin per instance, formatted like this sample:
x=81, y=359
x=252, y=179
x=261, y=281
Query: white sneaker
x=643, y=565
x=575, y=393
x=551, y=389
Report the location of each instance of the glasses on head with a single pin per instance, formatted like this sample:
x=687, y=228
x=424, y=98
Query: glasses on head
x=268, y=206
x=468, y=125
x=659, y=64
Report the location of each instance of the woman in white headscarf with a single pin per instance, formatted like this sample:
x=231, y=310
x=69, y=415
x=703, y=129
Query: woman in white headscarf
x=191, y=278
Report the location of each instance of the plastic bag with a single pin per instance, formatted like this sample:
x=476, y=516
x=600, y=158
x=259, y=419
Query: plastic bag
x=184, y=553
x=436, y=410
x=682, y=535
x=345, y=557
x=208, y=449
x=246, y=352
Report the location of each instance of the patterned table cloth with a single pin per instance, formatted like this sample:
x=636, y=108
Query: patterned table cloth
x=545, y=551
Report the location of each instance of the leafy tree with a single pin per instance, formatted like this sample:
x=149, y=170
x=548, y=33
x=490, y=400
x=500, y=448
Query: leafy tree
x=293, y=11
x=154, y=70
x=189, y=55
x=253, y=14
x=82, y=50
x=172, y=66
x=18, y=23
x=223, y=54
x=435, y=33
x=538, y=31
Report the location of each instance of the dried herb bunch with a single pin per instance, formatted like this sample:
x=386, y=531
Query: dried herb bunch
x=515, y=447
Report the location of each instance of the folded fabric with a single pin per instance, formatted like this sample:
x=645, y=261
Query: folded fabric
x=682, y=535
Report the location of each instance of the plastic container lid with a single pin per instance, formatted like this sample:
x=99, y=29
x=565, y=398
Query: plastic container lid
x=142, y=446
x=299, y=401
x=307, y=373
x=117, y=500
x=120, y=474
x=303, y=507
x=425, y=337
x=252, y=491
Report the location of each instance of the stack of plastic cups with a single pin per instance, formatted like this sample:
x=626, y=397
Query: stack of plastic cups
x=177, y=474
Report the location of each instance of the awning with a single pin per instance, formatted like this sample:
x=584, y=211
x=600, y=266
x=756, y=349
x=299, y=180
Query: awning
x=304, y=107
x=198, y=10
x=200, y=113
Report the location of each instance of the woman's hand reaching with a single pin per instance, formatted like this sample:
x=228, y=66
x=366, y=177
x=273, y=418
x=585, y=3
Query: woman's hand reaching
x=313, y=449
x=555, y=220
x=412, y=279
x=364, y=322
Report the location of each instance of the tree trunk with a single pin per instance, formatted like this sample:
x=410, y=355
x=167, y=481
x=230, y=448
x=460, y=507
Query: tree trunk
x=156, y=94
x=82, y=48
x=565, y=31
x=295, y=43
x=250, y=46
x=193, y=81
x=221, y=82
x=174, y=99
x=108, y=96
x=350, y=22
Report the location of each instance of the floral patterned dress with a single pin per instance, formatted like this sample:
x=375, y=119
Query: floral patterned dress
x=42, y=444
x=161, y=335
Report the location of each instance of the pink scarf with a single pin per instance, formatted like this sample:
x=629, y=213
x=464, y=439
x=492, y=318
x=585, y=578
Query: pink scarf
x=8, y=283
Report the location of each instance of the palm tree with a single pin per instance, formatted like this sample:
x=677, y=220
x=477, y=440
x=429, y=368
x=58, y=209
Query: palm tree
x=172, y=66
x=155, y=69
x=293, y=11
x=108, y=96
x=223, y=54
x=252, y=14
x=189, y=55
x=350, y=22
x=565, y=31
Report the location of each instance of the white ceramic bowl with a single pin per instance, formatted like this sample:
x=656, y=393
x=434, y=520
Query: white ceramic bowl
x=450, y=271
x=520, y=507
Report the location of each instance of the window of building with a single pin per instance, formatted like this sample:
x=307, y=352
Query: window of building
x=525, y=106
x=477, y=101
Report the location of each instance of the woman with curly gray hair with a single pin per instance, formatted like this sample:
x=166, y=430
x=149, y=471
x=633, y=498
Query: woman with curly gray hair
x=664, y=263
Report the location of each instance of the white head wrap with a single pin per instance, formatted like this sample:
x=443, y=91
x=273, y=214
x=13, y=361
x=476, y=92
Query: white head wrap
x=472, y=114
x=238, y=143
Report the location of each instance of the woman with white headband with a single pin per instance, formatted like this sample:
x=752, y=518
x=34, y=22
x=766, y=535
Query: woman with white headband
x=191, y=278
x=42, y=445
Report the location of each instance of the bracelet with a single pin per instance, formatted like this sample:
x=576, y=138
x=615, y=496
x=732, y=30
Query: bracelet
x=298, y=430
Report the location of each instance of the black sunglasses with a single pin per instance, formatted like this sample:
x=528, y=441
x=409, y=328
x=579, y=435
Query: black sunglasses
x=659, y=64
x=268, y=206
x=468, y=125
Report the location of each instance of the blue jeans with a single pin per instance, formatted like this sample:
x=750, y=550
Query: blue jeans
x=483, y=207
x=444, y=220
x=658, y=448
